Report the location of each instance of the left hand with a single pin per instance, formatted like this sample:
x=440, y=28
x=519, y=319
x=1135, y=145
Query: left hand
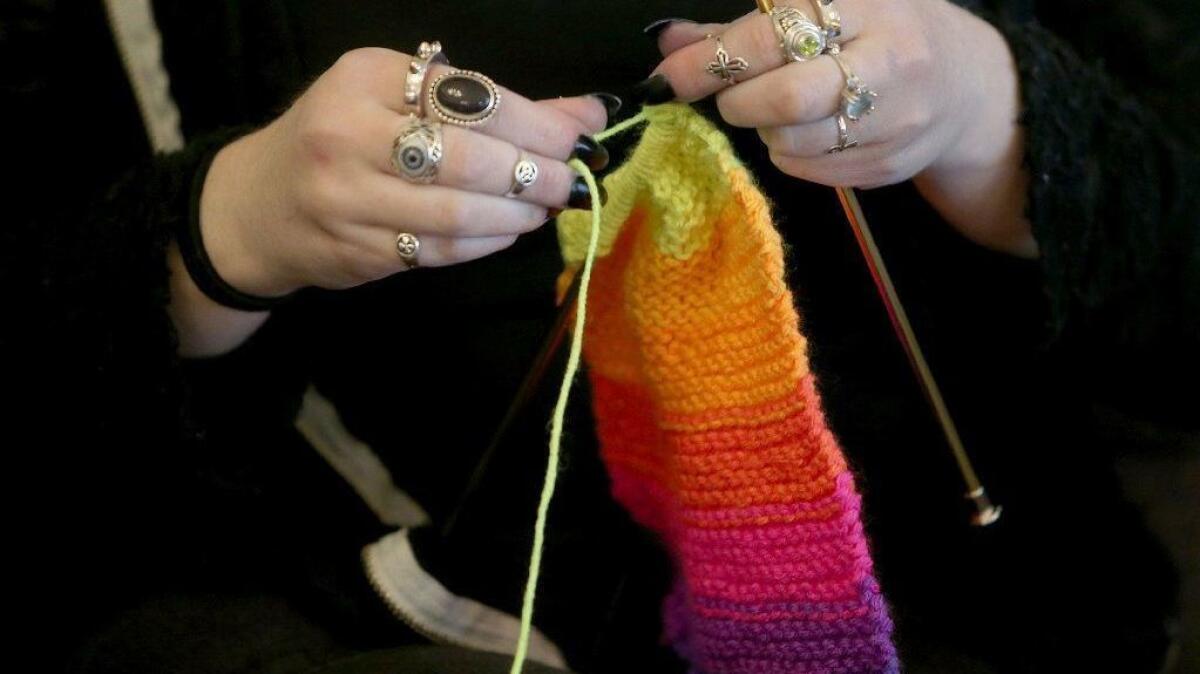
x=947, y=105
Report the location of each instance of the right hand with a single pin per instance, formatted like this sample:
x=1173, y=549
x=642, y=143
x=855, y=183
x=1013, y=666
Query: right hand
x=312, y=199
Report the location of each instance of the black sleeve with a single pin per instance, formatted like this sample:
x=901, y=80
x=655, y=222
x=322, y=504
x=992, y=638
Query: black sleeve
x=1112, y=197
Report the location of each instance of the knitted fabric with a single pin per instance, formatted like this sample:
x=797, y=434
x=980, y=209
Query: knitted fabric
x=709, y=421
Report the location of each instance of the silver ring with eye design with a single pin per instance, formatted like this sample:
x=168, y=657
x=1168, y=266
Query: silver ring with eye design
x=417, y=151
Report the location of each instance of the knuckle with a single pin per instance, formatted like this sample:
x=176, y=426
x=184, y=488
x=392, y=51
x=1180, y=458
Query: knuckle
x=763, y=41
x=913, y=124
x=775, y=140
x=321, y=139
x=912, y=58
x=784, y=163
x=887, y=170
x=357, y=265
x=594, y=116
x=453, y=214
x=504, y=242
x=321, y=195
x=468, y=166
x=364, y=59
x=727, y=106
x=792, y=102
x=448, y=250
x=559, y=179
x=559, y=132
x=532, y=219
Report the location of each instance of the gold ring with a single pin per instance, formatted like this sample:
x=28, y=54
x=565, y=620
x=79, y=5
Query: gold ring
x=765, y=6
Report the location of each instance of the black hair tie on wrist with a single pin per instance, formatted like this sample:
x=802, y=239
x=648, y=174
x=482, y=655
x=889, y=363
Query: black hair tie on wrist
x=200, y=267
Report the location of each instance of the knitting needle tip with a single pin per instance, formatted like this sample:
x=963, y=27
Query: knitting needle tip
x=986, y=512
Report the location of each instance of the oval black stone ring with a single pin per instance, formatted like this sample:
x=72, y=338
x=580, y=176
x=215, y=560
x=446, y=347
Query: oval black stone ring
x=464, y=97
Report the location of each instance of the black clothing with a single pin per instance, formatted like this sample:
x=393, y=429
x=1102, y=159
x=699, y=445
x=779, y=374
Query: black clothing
x=147, y=475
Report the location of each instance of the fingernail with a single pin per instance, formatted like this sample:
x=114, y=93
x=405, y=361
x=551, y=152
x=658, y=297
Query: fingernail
x=612, y=103
x=655, y=29
x=588, y=151
x=653, y=90
x=581, y=197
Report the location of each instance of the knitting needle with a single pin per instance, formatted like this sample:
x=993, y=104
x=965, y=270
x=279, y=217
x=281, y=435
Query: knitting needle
x=529, y=384
x=985, y=512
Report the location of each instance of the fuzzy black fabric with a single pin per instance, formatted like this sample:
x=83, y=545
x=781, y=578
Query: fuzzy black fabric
x=1114, y=209
x=142, y=479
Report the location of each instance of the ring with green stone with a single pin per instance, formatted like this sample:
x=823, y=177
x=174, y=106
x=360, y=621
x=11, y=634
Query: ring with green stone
x=799, y=37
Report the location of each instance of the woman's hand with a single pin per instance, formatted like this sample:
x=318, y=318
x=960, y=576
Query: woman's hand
x=313, y=200
x=946, y=112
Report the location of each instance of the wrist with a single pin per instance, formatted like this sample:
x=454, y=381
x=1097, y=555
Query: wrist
x=979, y=182
x=991, y=103
x=234, y=218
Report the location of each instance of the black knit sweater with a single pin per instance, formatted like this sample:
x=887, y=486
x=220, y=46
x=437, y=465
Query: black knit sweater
x=140, y=474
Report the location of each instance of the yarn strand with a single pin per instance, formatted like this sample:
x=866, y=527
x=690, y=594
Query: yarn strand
x=560, y=407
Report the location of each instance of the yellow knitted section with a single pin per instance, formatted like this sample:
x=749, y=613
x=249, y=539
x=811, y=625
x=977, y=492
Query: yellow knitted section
x=683, y=165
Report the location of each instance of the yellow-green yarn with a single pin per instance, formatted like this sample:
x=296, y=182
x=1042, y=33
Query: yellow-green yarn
x=688, y=194
x=556, y=423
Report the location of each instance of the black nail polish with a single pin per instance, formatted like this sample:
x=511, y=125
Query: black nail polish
x=588, y=151
x=653, y=90
x=580, y=196
x=655, y=29
x=612, y=103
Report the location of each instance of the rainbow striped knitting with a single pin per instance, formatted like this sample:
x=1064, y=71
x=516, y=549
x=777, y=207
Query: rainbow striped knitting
x=709, y=420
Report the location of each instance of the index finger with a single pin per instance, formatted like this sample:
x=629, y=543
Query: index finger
x=751, y=48
x=546, y=130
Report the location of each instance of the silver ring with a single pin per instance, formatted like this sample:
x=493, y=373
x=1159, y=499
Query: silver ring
x=857, y=98
x=427, y=53
x=417, y=151
x=525, y=173
x=844, y=143
x=725, y=67
x=408, y=246
x=464, y=97
x=830, y=18
x=799, y=37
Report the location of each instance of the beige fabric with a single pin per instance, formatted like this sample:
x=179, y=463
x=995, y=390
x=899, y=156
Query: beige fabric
x=356, y=462
x=140, y=46
x=429, y=608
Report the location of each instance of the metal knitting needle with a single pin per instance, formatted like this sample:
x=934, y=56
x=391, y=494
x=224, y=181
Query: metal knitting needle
x=529, y=385
x=985, y=511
